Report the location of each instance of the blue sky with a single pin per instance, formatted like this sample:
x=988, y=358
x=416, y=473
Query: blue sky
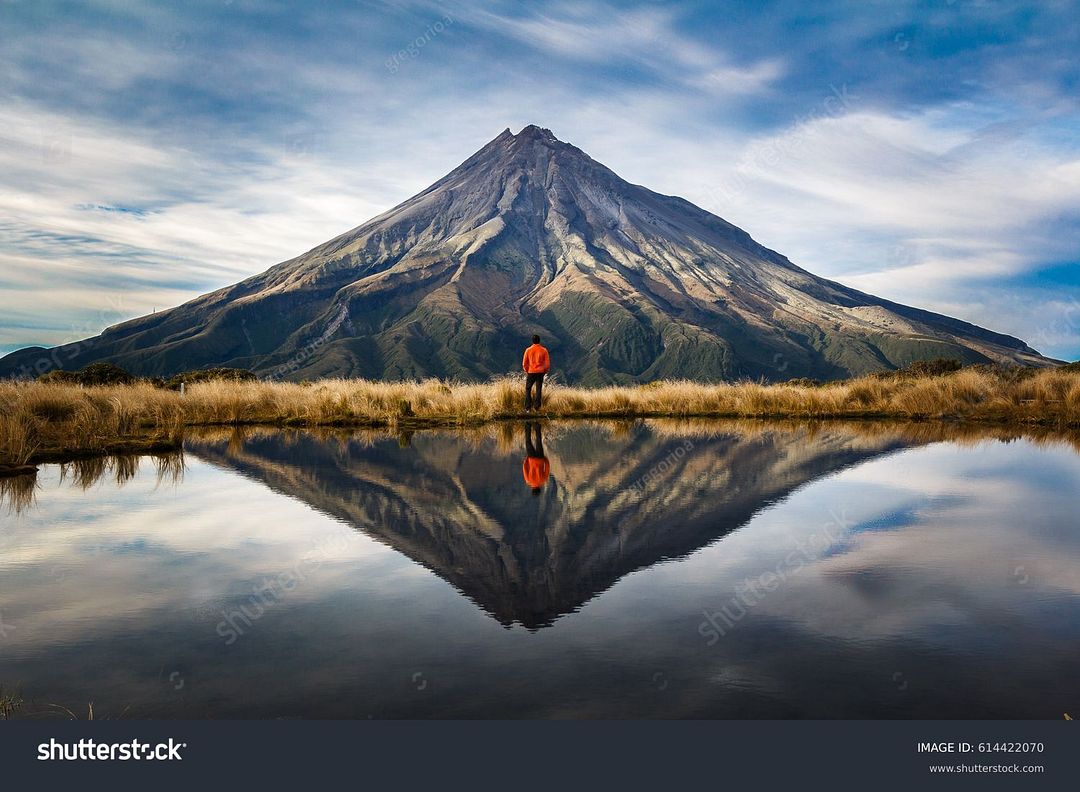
x=926, y=152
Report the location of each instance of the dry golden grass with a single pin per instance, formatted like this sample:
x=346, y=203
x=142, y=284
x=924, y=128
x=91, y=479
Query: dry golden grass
x=40, y=420
x=17, y=493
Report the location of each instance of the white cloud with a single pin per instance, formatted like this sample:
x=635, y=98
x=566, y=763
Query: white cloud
x=912, y=208
x=929, y=207
x=919, y=208
x=645, y=37
x=67, y=244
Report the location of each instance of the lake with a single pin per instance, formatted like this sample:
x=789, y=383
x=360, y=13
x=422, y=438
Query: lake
x=649, y=569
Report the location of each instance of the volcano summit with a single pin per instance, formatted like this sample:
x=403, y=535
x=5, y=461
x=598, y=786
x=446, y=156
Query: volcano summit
x=531, y=235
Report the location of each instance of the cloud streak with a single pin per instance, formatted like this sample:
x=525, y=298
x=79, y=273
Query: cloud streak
x=149, y=154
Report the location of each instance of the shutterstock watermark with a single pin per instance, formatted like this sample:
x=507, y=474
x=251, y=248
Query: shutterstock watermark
x=661, y=468
x=90, y=749
x=394, y=62
x=69, y=349
x=305, y=353
x=766, y=156
x=1060, y=321
x=753, y=590
x=273, y=590
x=4, y=628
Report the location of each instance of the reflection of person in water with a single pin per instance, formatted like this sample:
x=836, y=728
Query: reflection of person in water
x=535, y=468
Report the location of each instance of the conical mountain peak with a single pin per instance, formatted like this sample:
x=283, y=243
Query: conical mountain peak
x=534, y=132
x=531, y=235
x=530, y=141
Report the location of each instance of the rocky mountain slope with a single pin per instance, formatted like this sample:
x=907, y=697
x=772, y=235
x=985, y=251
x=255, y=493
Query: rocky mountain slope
x=459, y=506
x=529, y=235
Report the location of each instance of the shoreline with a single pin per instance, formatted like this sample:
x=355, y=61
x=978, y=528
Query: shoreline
x=147, y=446
x=44, y=422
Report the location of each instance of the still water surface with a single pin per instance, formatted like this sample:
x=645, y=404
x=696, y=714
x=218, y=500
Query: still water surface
x=649, y=569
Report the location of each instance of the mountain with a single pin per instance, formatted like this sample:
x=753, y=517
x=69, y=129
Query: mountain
x=459, y=507
x=531, y=235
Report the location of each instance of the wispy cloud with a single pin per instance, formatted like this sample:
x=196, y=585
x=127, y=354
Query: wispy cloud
x=152, y=152
x=927, y=208
x=646, y=39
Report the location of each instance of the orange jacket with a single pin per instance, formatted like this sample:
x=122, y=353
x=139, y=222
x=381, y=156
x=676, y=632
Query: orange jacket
x=536, y=360
x=535, y=470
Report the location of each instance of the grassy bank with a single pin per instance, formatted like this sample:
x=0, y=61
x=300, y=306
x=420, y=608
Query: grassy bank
x=40, y=421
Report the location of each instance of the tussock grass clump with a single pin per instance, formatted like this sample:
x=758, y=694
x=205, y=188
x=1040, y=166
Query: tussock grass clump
x=94, y=374
x=42, y=420
x=39, y=420
x=17, y=493
x=10, y=703
x=206, y=375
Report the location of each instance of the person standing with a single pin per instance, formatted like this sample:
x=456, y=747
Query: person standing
x=536, y=364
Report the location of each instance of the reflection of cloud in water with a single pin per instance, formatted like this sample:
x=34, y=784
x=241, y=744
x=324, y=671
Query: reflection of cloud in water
x=618, y=500
x=109, y=587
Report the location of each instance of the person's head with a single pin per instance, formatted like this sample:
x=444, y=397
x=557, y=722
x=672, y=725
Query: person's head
x=536, y=339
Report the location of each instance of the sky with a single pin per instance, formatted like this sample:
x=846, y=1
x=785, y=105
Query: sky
x=926, y=152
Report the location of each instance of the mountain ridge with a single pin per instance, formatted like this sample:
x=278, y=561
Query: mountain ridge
x=531, y=235
x=460, y=508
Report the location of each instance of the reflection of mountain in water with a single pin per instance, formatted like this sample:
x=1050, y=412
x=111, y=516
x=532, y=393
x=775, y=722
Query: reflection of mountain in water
x=616, y=501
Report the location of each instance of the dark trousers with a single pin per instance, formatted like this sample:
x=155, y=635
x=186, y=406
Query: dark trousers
x=534, y=449
x=531, y=381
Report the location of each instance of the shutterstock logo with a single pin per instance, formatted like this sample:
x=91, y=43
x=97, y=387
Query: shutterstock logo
x=92, y=750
